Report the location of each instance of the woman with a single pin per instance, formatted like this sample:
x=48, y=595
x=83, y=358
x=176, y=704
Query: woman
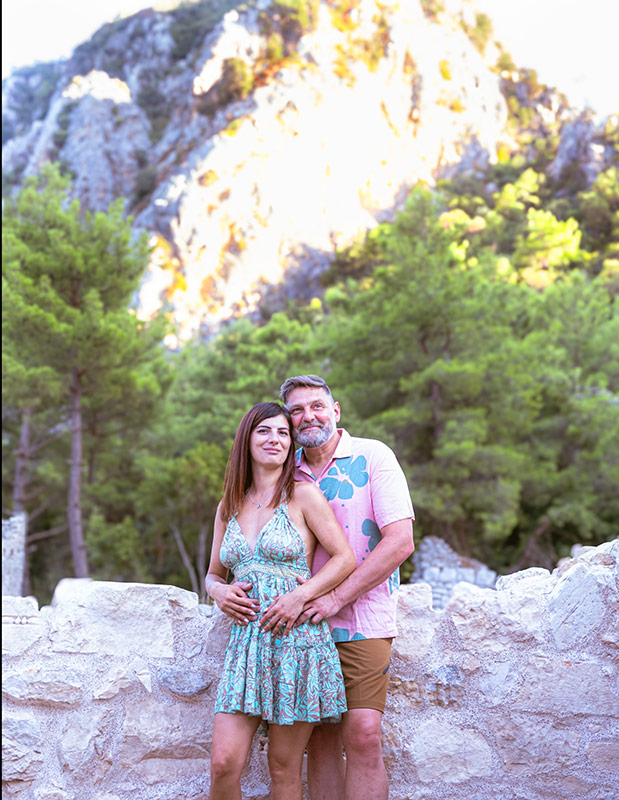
x=266, y=531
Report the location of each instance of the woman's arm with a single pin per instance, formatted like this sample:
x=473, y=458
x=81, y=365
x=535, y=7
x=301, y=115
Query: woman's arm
x=231, y=598
x=321, y=522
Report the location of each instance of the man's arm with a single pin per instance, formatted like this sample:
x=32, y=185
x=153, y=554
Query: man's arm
x=395, y=547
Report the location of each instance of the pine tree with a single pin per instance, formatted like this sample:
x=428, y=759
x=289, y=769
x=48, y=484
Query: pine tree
x=68, y=277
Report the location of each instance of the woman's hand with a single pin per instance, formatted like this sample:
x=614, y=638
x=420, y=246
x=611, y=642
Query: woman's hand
x=281, y=615
x=233, y=600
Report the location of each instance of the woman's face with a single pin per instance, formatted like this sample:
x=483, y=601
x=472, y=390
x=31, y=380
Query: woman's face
x=270, y=441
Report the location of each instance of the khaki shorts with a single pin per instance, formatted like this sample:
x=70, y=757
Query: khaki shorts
x=365, y=666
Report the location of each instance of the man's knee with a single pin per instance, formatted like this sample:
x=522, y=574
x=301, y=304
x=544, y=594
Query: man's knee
x=362, y=736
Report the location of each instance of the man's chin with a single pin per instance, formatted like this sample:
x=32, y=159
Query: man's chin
x=306, y=440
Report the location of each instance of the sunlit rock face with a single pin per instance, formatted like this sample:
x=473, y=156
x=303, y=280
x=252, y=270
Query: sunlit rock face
x=256, y=188
x=505, y=693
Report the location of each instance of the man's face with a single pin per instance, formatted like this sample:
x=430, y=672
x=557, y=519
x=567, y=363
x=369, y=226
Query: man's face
x=314, y=417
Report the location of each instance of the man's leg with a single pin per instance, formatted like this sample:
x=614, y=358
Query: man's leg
x=325, y=763
x=366, y=776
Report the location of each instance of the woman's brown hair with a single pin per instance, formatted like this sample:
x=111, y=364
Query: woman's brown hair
x=238, y=476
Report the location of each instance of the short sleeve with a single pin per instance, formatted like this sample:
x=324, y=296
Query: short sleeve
x=391, y=500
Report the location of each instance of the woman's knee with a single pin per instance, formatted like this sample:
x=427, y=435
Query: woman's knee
x=283, y=763
x=225, y=765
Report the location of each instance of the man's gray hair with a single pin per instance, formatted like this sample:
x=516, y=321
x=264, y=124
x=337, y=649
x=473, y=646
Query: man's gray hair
x=303, y=382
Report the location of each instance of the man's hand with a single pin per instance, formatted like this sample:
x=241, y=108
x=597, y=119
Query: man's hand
x=280, y=617
x=232, y=599
x=320, y=608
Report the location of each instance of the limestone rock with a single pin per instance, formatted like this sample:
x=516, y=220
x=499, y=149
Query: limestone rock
x=47, y=685
x=21, y=747
x=112, y=617
x=507, y=692
x=246, y=202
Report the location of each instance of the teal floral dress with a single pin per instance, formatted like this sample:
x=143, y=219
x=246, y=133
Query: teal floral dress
x=282, y=678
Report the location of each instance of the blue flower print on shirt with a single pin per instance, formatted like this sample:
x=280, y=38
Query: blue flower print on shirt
x=394, y=581
x=343, y=477
x=370, y=529
x=343, y=635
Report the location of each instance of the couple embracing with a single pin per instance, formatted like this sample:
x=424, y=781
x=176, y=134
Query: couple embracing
x=314, y=540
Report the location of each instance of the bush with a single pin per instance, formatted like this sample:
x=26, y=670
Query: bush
x=145, y=183
x=236, y=82
x=193, y=21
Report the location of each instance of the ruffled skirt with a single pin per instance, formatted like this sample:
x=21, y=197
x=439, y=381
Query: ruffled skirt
x=282, y=678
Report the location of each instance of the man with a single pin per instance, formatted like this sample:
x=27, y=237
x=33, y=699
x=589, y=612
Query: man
x=367, y=491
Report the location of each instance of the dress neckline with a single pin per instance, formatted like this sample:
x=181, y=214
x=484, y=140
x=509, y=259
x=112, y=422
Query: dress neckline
x=282, y=506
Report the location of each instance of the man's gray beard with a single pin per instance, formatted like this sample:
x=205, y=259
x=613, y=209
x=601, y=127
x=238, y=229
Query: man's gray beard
x=315, y=438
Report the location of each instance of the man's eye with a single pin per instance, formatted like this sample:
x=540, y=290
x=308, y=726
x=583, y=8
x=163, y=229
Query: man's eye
x=296, y=411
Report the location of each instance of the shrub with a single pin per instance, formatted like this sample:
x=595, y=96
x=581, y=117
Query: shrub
x=236, y=82
x=145, y=183
x=193, y=21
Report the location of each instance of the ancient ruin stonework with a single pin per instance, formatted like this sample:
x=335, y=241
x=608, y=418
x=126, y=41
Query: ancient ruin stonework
x=13, y=553
x=434, y=562
x=506, y=694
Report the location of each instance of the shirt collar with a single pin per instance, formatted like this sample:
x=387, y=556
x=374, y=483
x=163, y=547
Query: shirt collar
x=343, y=450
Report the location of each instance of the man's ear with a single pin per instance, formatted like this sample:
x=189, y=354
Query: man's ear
x=336, y=408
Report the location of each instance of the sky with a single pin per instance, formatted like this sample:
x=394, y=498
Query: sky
x=571, y=43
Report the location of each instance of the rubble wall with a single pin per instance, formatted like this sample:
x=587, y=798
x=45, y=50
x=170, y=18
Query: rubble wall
x=505, y=694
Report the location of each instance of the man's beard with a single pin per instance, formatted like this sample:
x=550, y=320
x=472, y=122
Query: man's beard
x=316, y=438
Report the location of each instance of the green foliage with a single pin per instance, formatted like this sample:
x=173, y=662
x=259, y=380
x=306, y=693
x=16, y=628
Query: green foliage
x=477, y=334
x=487, y=388
x=145, y=183
x=114, y=549
x=157, y=109
x=481, y=33
x=68, y=278
x=192, y=21
x=236, y=82
x=283, y=23
x=432, y=8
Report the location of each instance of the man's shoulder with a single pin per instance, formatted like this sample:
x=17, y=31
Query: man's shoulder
x=361, y=444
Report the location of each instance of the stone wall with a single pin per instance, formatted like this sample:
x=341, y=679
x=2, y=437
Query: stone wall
x=434, y=562
x=506, y=694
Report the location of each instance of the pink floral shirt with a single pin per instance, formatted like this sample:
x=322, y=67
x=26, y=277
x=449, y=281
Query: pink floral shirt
x=366, y=489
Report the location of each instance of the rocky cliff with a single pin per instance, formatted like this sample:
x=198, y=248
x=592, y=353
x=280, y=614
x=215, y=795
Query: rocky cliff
x=509, y=693
x=251, y=141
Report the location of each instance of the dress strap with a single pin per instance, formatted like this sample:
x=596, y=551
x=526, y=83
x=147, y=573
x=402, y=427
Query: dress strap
x=283, y=503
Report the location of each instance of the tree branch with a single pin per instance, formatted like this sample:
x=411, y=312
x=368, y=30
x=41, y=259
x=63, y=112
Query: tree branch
x=185, y=559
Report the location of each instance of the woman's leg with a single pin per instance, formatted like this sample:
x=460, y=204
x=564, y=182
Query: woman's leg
x=232, y=735
x=287, y=744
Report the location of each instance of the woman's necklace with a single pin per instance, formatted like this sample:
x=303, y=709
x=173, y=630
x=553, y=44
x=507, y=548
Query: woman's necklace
x=251, y=500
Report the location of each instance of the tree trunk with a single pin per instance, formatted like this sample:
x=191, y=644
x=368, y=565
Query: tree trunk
x=201, y=558
x=74, y=511
x=21, y=464
x=193, y=578
x=19, y=489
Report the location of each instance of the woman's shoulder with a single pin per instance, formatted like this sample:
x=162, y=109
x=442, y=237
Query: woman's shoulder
x=304, y=491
